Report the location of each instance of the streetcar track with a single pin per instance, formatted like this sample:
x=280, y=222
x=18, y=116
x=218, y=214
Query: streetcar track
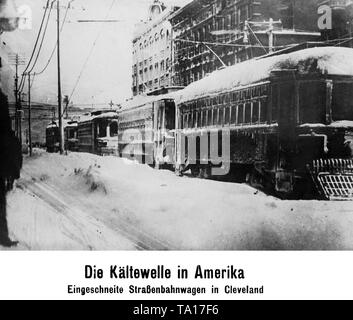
x=46, y=192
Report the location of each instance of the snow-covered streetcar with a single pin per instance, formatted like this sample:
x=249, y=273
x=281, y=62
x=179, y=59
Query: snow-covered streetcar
x=288, y=120
x=52, y=136
x=70, y=136
x=283, y=123
x=147, y=130
x=95, y=129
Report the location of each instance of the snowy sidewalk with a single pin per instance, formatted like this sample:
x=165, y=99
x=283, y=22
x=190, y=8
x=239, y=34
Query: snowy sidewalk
x=82, y=201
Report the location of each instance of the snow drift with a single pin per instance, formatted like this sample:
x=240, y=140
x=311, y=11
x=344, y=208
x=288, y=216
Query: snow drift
x=117, y=204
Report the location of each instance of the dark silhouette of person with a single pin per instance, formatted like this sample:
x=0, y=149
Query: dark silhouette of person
x=10, y=166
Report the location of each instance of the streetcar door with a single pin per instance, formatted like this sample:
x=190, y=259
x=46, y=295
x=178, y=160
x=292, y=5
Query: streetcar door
x=165, y=130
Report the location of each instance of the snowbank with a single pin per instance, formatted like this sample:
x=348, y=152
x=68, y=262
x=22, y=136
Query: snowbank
x=136, y=206
x=325, y=60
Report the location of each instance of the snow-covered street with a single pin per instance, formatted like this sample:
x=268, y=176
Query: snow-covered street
x=86, y=202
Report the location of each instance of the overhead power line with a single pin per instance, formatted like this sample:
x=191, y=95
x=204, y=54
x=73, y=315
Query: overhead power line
x=35, y=45
x=225, y=44
x=42, y=41
x=54, y=49
x=43, y=37
x=90, y=53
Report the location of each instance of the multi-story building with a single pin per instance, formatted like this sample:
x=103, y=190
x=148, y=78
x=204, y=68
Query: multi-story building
x=342, y=20
x=152, y=52
x=210, y=34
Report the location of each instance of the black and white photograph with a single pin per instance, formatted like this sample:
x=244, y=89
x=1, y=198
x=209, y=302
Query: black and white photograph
x=176, y=125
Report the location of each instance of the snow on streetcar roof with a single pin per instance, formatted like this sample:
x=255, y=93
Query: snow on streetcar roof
x=141, y=100
x=91, y=116
x=66, y=123
x=325, y=60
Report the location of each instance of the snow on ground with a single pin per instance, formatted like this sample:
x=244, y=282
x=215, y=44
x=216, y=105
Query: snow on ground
x=82, y=201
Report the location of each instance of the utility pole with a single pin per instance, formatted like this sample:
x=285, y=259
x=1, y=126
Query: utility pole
x=270, y=31
x=60, y=113
x=270, y=36
x=246, y=38
x=16, y=60
x=29, y=116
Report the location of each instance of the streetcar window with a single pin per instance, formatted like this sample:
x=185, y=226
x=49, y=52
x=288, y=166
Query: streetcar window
x=247, y=113
x=209, y=117
x=220, y=116
x=101, y=130
x=199, y=115
x=233, y=119
x=342, y=101
x=255, y=112
x=204, y=118
x=312, y=98
x=227, y=98
x=170, y=116
x=222, y=100
x=215, y=116
x=263, y=110
x=185, y=125
x=114, y=129
x=195, y=119
x=240, y=113
x=227, y=115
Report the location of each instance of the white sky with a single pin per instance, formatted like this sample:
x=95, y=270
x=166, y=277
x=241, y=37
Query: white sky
x=108, y=73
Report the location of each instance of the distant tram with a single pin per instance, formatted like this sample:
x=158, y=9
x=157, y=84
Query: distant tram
x=147, y=130
x=53, y=136
x=94, y=129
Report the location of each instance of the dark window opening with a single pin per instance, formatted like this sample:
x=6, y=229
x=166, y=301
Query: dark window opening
x=264, y=110
x=101, y=130
x=186, y=121
x=194, y=119
x=204, y=118
x=227, y=115
x=312, y=102
x=209, y=117
x=255, y=112
x=233, y=119
x=215, y=116
x=247, y=113
x=342, y=101
x=191, y=120
x=113, y=129
x=240, y=113
x=220, y=115
x=170, y=116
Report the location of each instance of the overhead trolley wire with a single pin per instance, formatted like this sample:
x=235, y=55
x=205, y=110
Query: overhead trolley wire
x=54, y=49
x=35, y=46
x=90, y=53
x=43, y=37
